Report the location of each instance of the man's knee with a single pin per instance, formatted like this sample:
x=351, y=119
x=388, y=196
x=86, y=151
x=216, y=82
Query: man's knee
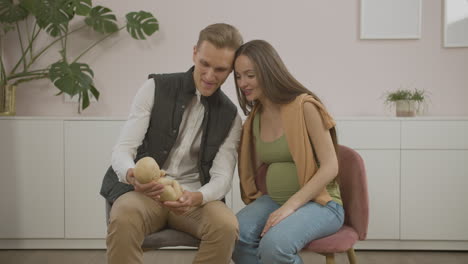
x=226, y=227
x=123, y=218
x=124, y=207
x=222, y=223
x=127, y=212
x=232, y=227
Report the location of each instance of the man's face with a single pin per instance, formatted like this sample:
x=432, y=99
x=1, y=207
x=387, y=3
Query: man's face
x=212, y=67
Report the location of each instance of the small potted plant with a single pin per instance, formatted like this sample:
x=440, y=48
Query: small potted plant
x=407, y=102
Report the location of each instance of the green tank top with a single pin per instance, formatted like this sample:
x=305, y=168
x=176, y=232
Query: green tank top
x=281, y=178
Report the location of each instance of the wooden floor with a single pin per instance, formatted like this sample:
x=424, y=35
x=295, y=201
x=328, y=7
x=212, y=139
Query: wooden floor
x=186, y=256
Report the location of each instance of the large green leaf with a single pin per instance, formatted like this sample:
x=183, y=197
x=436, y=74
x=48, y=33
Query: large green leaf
x=53, y=15
x=29, y=5
x=56, y=29
x=102, y=20
x=82, y=7
x=140, y=24
x=10, y=12
x=74, y=79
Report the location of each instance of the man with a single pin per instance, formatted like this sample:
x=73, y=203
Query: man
x=190, y=127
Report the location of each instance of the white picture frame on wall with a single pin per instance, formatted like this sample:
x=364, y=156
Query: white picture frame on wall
x=390, y=19
x=455, y=23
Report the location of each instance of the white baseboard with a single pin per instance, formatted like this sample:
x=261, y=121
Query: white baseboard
x=361, y=245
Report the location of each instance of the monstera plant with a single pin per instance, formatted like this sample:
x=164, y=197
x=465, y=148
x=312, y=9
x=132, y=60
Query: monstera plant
x=70, y=75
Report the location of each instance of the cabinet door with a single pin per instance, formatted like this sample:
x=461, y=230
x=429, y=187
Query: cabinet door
x=31, y=191
x=378, y=142
x=88, y=151
x=369, y=134
x=383, y=179
x=441, y=134
x=433, y=195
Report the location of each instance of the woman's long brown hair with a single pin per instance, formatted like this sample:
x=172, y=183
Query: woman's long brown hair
x=278, y=84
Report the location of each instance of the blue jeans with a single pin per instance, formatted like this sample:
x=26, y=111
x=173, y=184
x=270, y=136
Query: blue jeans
x=282, y=243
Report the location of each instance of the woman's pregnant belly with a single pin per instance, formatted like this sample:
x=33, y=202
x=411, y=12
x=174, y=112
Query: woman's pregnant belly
x=281, y=181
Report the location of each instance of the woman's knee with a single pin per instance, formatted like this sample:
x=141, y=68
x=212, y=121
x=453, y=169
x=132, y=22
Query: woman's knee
x=276, y=248
x=249, y=231
x=252, y=219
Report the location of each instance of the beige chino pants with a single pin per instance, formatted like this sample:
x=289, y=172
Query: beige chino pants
x=135, y=215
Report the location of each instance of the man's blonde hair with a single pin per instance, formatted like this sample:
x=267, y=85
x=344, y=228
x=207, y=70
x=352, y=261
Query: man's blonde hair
x=221, y=36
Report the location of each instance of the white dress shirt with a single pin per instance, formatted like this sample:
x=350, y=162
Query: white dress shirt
x=182, y=161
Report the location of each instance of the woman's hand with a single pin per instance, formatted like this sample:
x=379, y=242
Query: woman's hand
x=276, y=217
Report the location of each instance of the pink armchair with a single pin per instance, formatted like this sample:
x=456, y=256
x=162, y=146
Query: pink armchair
x=353, y=186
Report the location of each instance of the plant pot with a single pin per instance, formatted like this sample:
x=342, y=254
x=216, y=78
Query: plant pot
x=7, y=100
x=405, y=108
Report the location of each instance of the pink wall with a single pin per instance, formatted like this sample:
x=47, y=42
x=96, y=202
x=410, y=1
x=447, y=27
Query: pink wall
x=318, y=40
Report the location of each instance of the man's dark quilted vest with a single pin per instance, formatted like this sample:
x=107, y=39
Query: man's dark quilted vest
x=172, y=94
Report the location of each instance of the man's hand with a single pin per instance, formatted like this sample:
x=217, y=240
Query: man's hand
x=151, y=189
x=185, y=202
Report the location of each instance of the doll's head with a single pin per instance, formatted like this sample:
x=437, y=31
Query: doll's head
x=146, y=170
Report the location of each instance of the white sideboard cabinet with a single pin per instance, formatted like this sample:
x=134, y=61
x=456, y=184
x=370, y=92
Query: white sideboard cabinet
x=31, y=189
x=434, y=180
x=417, y=171
x=52, y=169
x=88, y=150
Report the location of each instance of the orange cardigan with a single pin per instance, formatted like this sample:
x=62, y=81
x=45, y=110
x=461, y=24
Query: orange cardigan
x=292, y=117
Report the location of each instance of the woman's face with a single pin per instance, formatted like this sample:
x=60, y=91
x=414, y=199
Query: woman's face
x=246, y=78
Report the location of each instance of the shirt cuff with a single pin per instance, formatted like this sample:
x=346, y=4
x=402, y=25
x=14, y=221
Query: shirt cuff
x=206, y=196
x=121, y=171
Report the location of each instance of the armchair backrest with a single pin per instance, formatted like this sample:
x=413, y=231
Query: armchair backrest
x=353, y=186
